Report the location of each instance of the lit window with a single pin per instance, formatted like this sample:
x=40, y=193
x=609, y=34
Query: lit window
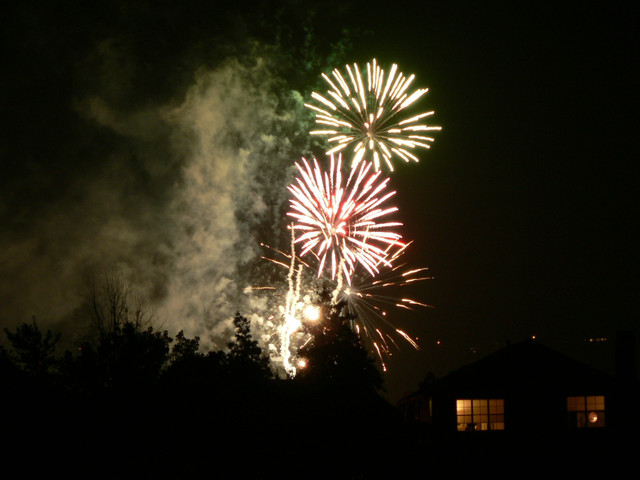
x=480, y=414
x=586, y=412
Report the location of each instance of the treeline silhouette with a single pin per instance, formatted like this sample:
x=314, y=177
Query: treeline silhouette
x=131, y=400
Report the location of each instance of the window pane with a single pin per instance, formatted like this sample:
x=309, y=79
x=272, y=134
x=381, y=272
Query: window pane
x=463, y=407
x=496, y=406
x=595, y=402
x=575, y=404
x=480, y=406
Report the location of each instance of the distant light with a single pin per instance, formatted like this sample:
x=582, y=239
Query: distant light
x=533, y=337
x=597, y=339
x=302, y=363
x=593, y=417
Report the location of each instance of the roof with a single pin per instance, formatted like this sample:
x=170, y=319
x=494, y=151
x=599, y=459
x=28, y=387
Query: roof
x=524, y=365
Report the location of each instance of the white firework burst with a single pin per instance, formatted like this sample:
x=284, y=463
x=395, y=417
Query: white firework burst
x=368, y=115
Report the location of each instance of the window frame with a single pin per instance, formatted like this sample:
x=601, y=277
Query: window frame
x=586, y=411
x=482, y=414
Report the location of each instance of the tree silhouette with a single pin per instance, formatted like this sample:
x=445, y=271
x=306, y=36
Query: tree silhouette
x=340, y=394
x=33, y=351
x=122, y=350
x=130, y=385
x=184, y=348
x=125, y=358
x=139, y=389
x=245, y=357
x=335, y=354
x=190, y=370
x=111, y=303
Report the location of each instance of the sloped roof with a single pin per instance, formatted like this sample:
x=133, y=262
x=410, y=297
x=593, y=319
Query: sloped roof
x=523, y=365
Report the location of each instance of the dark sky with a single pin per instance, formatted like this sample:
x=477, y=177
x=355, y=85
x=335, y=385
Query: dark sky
x=157, y=138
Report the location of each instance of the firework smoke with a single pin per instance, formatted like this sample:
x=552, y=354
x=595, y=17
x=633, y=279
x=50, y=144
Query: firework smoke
x=177, y=205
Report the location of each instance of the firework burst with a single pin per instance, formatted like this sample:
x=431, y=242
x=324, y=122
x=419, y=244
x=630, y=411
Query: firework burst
x=368, y=115
x=367, y=300
x=365, y=303
x=348, y=247
x=339, y=220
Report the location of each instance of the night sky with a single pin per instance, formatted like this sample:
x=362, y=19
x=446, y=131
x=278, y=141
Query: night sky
x=157, y=139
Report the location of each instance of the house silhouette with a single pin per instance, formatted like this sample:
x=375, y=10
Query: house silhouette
x=530, y=405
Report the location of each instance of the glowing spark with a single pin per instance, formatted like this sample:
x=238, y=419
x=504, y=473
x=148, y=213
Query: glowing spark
x=339, y=220
x=312, y=313
x=365, y=118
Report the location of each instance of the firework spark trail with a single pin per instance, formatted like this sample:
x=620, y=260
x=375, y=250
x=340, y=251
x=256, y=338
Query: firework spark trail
x=297, y=306
x=340, y=221
x=366, y=117
x=336, y=291
x=292, y=321
x=366, y=301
